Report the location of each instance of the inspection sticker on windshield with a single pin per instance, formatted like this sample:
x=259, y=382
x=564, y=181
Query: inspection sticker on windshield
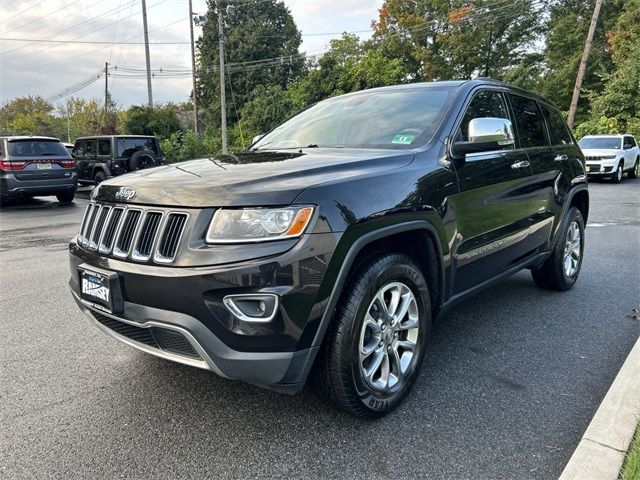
x=403, y=139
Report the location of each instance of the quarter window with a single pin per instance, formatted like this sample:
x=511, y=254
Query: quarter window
x=104, y=147
x=558, y=132
x=529, y=122
x=487, y=103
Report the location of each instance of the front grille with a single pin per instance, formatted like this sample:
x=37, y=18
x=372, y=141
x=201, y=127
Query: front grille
x=593, y=158
x=155, y=337
x=136, y=233
x=593, y=168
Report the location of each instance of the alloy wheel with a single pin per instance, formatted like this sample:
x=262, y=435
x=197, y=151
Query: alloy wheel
x=572, y=250
x=619, y=173
x=389, y=337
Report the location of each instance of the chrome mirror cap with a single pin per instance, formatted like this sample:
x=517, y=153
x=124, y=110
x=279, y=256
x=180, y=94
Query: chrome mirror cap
x=491, y=129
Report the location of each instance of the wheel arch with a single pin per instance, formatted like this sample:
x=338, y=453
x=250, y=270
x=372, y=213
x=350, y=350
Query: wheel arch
x=404, y=238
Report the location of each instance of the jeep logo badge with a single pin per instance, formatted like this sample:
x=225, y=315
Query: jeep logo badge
x=125, y=193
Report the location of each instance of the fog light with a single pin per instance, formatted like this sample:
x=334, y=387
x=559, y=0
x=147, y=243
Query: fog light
x=258, y=308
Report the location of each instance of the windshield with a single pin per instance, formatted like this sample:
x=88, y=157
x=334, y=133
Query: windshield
x=36, y=148
x=128, y=146
x=397, y=119
x=608, y=143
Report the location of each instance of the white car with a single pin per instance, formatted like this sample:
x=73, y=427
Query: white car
x=609, y=156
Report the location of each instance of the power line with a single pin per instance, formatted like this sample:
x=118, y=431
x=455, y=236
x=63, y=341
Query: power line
x=87, y=42
x=7, y=20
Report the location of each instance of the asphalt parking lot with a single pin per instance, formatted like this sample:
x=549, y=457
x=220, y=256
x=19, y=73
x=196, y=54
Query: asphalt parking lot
x=511, y=381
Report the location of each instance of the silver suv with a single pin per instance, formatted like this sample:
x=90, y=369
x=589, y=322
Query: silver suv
x=32, y=166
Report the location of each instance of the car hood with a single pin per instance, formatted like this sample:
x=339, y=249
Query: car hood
x=599, y=152
x=247, y=179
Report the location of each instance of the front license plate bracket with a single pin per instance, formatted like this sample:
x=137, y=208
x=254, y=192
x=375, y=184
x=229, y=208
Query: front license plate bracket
x=101, y=288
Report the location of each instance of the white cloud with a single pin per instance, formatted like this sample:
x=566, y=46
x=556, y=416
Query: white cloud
x=47, y=68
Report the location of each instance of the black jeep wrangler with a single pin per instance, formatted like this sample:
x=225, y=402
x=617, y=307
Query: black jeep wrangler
x=334, y=241
x=102, y=157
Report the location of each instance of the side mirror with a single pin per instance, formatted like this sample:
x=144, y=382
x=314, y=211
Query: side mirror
x=257, y=138
x=486, y=134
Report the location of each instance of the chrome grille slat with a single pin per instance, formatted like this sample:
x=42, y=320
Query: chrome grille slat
x=170, y=237
x=128, y=229
x=136, y=233
x=112, y=224
x=143, y=246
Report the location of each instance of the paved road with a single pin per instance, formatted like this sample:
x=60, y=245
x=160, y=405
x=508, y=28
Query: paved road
x=510, y=383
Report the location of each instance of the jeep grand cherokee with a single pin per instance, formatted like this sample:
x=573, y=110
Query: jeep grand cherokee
x=331, y=244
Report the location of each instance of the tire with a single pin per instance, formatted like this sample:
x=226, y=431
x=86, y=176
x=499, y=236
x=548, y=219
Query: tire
x=555, y=274
x=633, y=173
x=617, y=176
x=99, y=177
x=66, y=197
x=141, y=160
x=355, y=344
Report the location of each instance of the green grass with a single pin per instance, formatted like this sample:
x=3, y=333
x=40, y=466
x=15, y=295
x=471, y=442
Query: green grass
x=631, y=467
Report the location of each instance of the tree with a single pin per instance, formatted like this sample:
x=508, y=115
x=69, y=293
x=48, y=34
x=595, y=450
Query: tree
x=145, y=120
x=349, y=65
x=261, y=49
x=30, y=115
x=448, y=39
x=566, y=33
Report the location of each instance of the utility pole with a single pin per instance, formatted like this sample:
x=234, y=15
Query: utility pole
x=193, y=72
x=106, y=91
x=583, y=64
x=223, y=108
x=146, y=51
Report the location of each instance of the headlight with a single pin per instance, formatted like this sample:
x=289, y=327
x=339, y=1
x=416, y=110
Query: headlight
x=258, y=224
x=608, y=157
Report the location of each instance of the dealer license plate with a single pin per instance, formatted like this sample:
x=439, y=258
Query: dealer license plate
x=95, y=288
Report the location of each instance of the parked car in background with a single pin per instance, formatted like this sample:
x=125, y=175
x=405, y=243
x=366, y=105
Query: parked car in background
x=610, y=156
x=69, y=147
x=101, y=157
x=34, y=166
x=331, y=244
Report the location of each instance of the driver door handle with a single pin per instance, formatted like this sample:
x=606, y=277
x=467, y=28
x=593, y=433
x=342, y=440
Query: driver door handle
x=517, y=165
x=560, y=158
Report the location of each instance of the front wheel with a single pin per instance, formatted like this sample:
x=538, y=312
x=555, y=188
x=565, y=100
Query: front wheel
x=633, y=173
x=375, y=346
x=617, y=177
x=560, y=271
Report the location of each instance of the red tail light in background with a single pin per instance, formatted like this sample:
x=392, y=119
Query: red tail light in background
x=13, y=164
x=67, y=163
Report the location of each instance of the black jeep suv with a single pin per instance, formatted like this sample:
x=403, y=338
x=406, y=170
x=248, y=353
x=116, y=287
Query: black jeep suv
x=331, y=244
x=103, y=157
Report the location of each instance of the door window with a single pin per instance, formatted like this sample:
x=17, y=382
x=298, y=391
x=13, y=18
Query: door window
x=90, y=150
x=529, y=122
x=558, y=132
x=629, y=142
x=486, y=103
x=104, y=147
x=78, y=150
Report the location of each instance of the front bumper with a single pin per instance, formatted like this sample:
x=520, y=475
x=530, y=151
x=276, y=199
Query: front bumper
x=188, y=302
x=601, y=169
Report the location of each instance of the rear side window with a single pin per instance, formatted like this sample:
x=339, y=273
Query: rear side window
x=36, y=148
x=487, y=103
x=128, y=146
x=529, y=122
x=104, y=147
x=90, y=150
x=558, y=132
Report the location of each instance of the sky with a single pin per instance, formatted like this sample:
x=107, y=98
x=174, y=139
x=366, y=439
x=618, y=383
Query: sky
x=31, y=67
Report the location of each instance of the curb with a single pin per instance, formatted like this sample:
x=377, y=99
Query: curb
x=601, y=451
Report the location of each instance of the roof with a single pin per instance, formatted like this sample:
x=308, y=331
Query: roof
x=115, y=136
x=12, y=138
x=608, y=135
